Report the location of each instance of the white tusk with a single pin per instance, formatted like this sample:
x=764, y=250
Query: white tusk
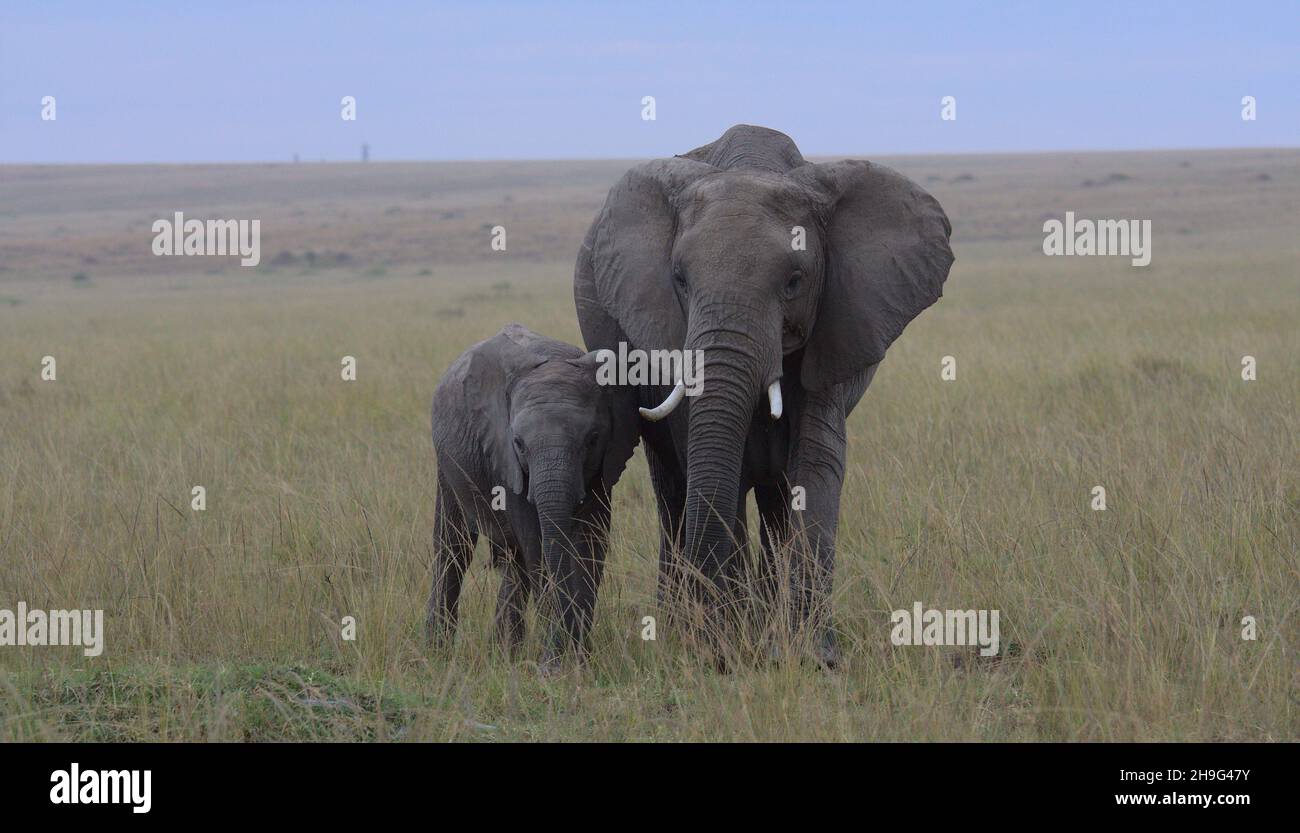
x=774, y=398
x=668, y=405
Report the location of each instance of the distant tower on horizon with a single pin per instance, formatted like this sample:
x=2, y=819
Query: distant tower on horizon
x=365, y=152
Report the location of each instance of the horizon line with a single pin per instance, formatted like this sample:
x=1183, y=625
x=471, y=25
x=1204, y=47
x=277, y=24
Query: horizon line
x=486, y=159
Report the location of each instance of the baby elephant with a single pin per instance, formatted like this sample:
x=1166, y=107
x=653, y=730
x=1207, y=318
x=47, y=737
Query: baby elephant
x=529, y=447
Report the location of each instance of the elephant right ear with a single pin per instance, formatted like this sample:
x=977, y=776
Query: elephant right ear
x=494, y=368
x=631, y=251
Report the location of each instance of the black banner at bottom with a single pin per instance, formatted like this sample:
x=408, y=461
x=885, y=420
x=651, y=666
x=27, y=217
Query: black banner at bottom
x=304, y=782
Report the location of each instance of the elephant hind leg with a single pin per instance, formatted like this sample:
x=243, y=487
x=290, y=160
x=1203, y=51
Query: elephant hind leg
x=512, y=600
x=454, y=537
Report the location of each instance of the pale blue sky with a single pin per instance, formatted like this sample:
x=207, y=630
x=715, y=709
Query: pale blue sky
x=238, y=81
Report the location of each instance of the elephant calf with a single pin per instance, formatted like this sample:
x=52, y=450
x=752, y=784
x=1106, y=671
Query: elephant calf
x=529, y=447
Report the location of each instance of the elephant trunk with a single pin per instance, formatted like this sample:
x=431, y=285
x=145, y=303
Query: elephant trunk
x=556, y=496
x=716, y=441
x=736, y=372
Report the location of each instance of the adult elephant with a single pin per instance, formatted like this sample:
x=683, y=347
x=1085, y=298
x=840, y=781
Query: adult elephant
x=791, y=278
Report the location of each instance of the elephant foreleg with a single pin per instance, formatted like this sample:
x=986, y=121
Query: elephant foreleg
x=593, y=543
x=571, y=630
x=774, y=537
x=736, y=569
x=819, y=468
x=670, y=499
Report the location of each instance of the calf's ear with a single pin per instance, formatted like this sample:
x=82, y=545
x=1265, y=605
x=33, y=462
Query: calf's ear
x=625, y=422
x=495, y=367
x=622, y=402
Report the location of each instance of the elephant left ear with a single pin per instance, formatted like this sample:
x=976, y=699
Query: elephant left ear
x=625, y=420
x=887, y=257
x=626, y=427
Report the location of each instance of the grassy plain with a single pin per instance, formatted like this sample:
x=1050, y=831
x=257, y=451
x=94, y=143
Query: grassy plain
x=1071, y=373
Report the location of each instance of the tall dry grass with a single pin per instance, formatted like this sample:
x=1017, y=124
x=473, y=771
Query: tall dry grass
x=1071, y=373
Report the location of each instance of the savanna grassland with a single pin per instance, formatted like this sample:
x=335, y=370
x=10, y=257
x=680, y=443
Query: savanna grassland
x=1072, y=372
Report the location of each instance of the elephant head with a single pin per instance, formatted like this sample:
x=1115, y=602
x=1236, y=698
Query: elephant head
x=762, y=261
x=553, y=436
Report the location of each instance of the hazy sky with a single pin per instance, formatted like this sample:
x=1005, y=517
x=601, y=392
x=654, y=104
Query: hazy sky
x=189, y=81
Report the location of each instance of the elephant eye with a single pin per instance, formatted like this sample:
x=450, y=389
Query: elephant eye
x=679, y=277
x=792, y=284
x=519, y=446
x=592, y=439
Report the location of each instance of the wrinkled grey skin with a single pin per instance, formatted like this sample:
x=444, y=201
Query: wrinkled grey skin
x=696, y=252
x=524, y=412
